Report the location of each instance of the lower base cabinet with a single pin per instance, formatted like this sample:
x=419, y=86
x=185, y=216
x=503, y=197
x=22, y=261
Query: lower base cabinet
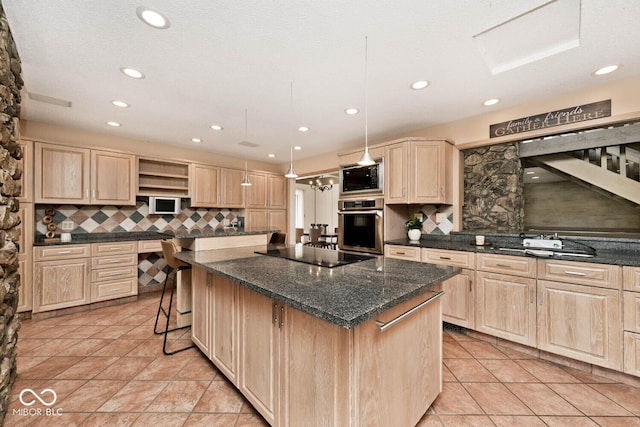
x=581, y=322
x=505, y=307
x=632, y=353
x=61, y=284
x=299, y=370
x=458, y=302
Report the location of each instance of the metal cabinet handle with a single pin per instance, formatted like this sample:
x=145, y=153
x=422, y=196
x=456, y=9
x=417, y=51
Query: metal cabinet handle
x=575, y=273
x=445, y=257
x=504, y=265
x=93, y=193
x=400, y=253
x=281, y=317
x=385, y=325
x=274, y=313
x=63, y=252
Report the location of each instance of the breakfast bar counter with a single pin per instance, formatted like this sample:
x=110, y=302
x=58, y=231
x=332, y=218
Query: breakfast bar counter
x=350, y=342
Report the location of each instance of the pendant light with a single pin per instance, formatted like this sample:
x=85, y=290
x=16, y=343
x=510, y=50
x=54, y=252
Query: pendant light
x=366, y=159
x=291, y=173
x=245, y=179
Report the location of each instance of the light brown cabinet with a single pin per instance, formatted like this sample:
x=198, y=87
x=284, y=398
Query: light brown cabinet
x=631, y=320
x=114, y=270
x=61, y=277
x=25, y=257
x=256, y=193
x=266, y=202
x=505, y=303
x=418, y=171
x=212, y=186
x=402, y=252
x=26, y=179
x=260, y=321
x=579, y=311
x=72, y=175
x=458, y=301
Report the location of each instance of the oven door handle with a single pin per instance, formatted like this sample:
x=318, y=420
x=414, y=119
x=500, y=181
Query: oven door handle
x=373, y=211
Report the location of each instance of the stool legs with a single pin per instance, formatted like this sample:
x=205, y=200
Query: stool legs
x=167, y=314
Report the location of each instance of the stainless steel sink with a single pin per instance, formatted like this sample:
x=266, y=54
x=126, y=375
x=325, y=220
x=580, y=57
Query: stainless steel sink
x=548, y=252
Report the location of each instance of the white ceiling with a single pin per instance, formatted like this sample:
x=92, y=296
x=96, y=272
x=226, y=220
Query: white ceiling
x=220, y=58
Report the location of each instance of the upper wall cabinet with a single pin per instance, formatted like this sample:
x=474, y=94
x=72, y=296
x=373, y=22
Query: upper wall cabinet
x=418, y=171
x=267, y=191
x=26, y=180
x=212, y=186
x=72, y=175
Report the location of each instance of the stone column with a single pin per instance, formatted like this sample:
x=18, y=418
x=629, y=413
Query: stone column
x=10, y=172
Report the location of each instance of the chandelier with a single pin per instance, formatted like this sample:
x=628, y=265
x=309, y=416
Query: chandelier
x=321, y=183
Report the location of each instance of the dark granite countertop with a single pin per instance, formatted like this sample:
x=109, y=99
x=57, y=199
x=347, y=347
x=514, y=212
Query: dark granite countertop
x=615, y=251
x=346, y=295
x=82, y=238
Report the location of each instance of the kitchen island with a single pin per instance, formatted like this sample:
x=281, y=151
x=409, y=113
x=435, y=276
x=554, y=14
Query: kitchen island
x=357, y=344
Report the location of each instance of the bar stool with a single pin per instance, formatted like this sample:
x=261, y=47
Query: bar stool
x=168, y=249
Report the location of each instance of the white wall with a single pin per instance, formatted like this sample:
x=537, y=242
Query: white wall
x=320, y=207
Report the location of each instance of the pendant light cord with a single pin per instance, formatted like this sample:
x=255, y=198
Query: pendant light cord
x=366, y=97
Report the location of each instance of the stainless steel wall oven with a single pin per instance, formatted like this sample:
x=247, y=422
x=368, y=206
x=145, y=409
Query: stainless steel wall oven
x=360, y=225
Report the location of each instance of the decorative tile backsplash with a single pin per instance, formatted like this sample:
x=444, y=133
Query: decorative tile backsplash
x=152, y=268
x=429, y=225
x=105, y=219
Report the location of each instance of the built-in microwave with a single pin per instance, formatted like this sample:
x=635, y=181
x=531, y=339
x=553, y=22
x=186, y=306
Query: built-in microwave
x=358, y=179
x=164, y=205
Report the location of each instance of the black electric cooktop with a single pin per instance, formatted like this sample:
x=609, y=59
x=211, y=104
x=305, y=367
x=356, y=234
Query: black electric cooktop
x=314, y=256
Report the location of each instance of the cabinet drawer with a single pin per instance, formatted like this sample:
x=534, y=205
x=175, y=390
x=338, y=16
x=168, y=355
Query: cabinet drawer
x=453, y=258
x=601, y=275
x=506, y=264
x=114, y=273
x=114, y=289
x=146, y=246
x=631, y=278
x=113, y=261
x=631, y=311
x=402, y=252
x=98, y=249
x=45, y=253
x=632, y=353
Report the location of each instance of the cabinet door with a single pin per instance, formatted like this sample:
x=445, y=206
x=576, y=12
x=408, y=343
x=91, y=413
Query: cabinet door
x=232, y=193
x=201, y=283
x=505, y=307
x=259, y=350
x=395, y=174
x=315, y=364
x=277, y=192
x=581, y=322
x=256, y=194
x=631, y=309
x=205, y=186
x=224, y=328
x=458, y=300
x=256, y=219
x=429, y=162
x=62, y=174
x=277, y=219
x=61, y=284
x=112, y=178
x=26, y=180
x=25, y=291
x=632, y=353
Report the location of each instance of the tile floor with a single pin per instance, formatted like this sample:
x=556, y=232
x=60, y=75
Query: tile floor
x=107, y=369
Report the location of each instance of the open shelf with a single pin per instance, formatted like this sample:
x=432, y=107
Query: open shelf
x=162, y=178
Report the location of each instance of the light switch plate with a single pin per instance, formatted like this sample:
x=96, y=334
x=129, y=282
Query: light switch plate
x=67, y=225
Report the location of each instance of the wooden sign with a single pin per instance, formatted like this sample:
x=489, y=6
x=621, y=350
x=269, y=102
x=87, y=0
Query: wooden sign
x=579, y=113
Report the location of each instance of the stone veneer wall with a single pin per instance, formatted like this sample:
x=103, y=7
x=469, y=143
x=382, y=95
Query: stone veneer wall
x=493, y=189
x=10, y=170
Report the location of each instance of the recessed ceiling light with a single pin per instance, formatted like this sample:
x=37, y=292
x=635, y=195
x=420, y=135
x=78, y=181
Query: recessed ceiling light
x=606, y=70
x=303, y=129
x=132, y=72
x=420, y=84
x=120, y=104
x=216, y=127
x=535, y=177
x=114, y=124
x=152, y=18
x=297, y=147
x=351, y=111
x=196, y=140
x=531, y=173
x=271, y=155
x=490, y=102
